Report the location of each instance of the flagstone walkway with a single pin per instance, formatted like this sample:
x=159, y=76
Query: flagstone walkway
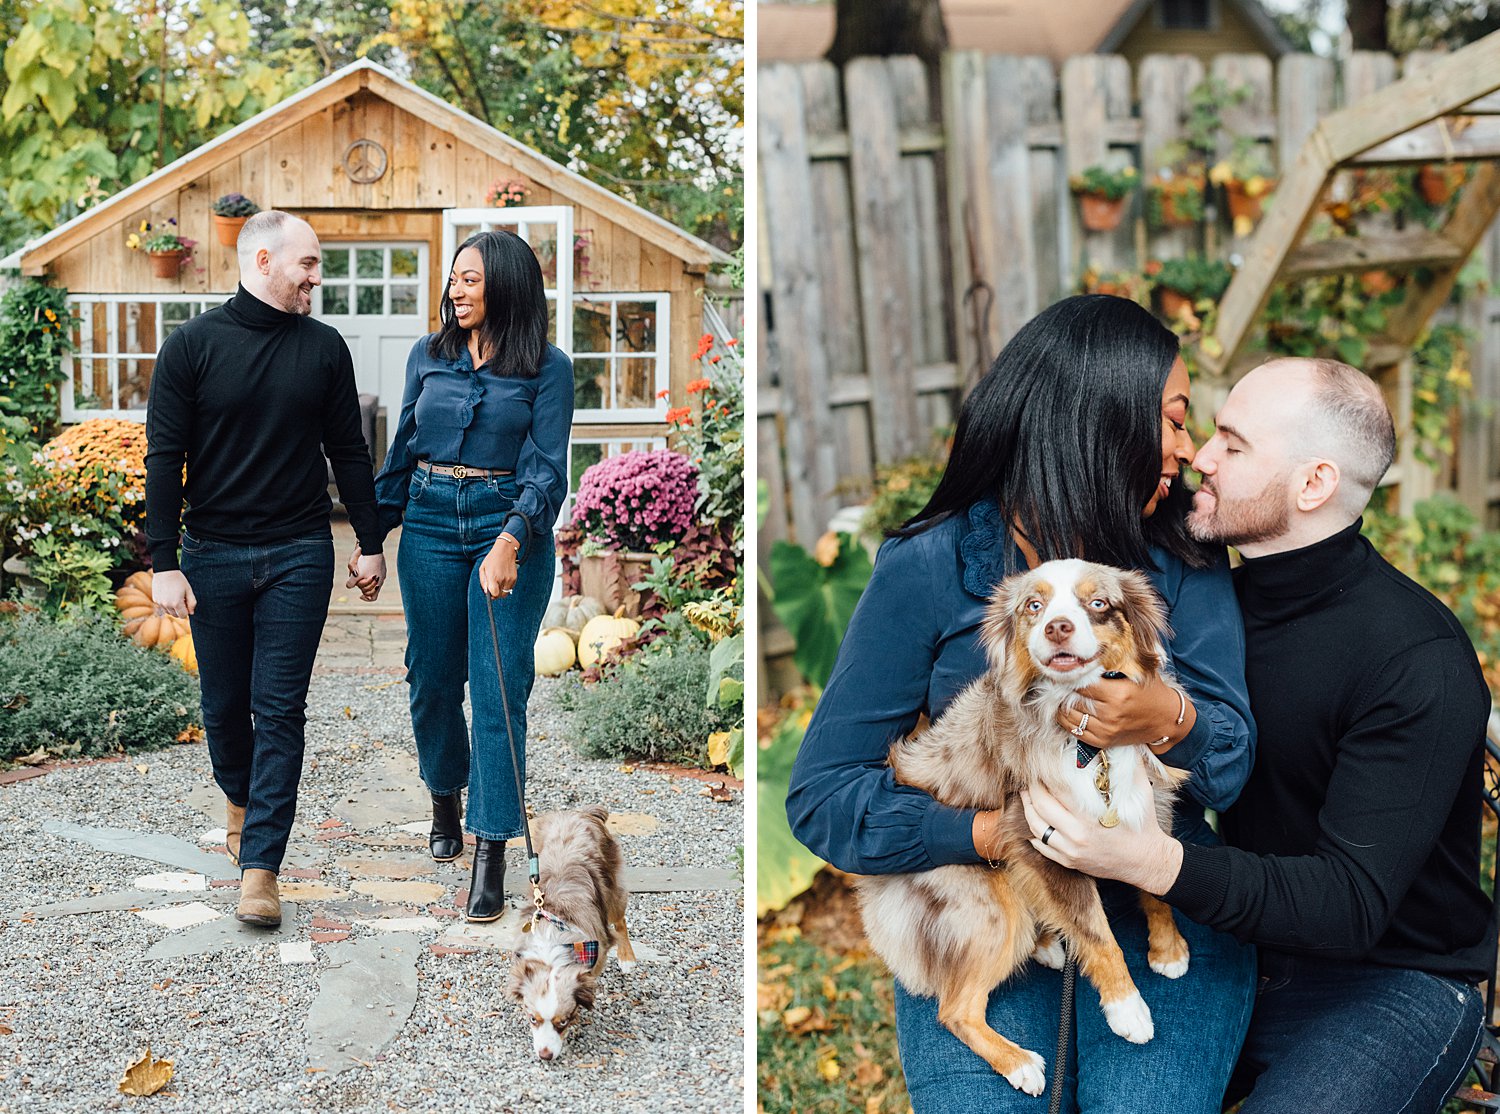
x=117, y=933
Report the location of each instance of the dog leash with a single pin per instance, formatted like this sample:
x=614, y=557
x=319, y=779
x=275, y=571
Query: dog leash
x=533, y=863
x=1064, y=1028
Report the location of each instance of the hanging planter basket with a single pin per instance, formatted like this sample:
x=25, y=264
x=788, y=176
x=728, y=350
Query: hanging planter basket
x=1242, y=203
x=228, y=229
x=166, y=264
x=1437, y=183
x=1174, y=304
x=1099, y=214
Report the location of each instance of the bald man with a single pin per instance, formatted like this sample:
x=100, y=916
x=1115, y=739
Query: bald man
x=1351, y=857
x=249, y=396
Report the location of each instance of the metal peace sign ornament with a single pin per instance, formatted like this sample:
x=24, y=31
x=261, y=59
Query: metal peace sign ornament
x=365, y=161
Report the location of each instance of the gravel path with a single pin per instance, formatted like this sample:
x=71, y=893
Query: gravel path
x=79, y=999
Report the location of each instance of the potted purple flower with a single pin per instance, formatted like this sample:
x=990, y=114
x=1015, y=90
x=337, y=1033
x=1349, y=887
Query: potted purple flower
x=627, y=506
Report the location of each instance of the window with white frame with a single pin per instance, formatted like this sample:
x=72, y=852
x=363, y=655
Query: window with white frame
x=621, y=356
x=115, y=341
x=586, y=451
x=371, y=281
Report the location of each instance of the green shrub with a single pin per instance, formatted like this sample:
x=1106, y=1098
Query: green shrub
x=79, y=689
x=649, y=706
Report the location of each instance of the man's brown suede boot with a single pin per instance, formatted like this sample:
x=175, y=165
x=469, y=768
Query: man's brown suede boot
x=234, y=824
x=260, y=901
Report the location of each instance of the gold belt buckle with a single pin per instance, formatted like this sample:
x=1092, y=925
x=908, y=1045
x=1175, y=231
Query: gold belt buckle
x=459, y=471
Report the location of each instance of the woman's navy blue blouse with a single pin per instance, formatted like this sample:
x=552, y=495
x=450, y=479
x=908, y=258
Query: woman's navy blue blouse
x=453, y=414
x=913, y=644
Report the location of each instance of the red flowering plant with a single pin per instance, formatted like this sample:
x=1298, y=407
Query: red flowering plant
x=714, y=437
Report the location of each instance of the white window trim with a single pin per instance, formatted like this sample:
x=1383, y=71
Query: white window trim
x=71, y=412
x=657, y=413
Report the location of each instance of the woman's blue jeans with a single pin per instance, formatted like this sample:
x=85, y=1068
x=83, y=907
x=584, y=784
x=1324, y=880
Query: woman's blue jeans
x=449, y=527
x=256, y=629
x=1341, y=1038
x=1200, y=1020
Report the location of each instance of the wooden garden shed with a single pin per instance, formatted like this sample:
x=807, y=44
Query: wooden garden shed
x=391, y=178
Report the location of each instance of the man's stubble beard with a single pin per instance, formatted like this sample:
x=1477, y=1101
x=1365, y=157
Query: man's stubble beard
x=1261, y=518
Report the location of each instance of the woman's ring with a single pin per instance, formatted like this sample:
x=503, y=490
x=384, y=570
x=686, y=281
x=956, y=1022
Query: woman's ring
x=1048, y=834
x=1083, y=725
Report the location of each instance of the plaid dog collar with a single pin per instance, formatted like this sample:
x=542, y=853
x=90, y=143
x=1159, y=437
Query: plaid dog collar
x=585, y=952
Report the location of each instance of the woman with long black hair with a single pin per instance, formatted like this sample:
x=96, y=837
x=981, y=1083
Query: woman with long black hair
x=1071, y=446
x=476, y=476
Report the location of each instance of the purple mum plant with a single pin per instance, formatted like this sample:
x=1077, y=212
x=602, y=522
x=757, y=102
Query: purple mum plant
x=637, y=499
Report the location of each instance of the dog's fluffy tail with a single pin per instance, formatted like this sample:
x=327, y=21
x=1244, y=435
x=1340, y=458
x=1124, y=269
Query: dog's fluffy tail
x=598, y=812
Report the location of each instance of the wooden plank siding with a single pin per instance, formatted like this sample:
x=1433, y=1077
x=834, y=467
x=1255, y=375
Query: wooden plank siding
x=853, y=369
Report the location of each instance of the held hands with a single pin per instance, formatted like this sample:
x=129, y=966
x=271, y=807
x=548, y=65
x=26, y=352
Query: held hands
x=1148, y=859
x=497, y=573
x=172, y=594
x=367, y=574
x=1126, y=713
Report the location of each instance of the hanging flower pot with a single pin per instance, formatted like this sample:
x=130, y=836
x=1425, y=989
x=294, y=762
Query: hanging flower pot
x=228, y=229
x=1245, y=197
x=166, y=264
x=1174, y=304
x=1377, y=282
x=1100, y=214
x=1438, y=183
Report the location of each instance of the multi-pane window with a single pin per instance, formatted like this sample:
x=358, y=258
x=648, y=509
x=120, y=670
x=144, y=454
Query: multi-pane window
x=620, y=356
x=542, y=231
x=116, y=338
x=370, y=282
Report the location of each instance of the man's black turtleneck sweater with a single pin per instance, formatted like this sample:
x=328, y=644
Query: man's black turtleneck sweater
x=244, y=395
x=1357, y=835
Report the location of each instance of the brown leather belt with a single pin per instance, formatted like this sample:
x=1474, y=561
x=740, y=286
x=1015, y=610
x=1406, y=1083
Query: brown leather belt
x=462, y=471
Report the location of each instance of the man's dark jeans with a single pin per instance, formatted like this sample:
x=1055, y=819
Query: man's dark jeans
x=1353, y=1038
x=259, y=618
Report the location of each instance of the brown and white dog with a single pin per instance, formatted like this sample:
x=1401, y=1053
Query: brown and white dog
x=957, y=932
x=564, y=949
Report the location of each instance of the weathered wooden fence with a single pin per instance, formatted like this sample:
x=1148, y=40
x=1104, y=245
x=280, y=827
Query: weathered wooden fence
x=899, y=250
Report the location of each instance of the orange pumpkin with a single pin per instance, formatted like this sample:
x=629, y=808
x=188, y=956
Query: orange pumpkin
x=184, y=651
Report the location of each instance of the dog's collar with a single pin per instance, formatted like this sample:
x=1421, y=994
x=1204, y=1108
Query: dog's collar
x=1086, y=753
x=585, y=952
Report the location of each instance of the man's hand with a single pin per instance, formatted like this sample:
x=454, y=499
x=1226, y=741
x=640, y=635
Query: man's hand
x=367, y=574
x=1148, y=859
x=172, y=594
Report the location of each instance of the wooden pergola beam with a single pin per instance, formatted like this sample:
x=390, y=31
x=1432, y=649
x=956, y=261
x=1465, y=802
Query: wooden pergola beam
x=1395, y=251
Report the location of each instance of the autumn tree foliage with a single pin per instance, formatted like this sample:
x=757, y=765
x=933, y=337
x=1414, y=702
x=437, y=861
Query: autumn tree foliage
x=643, y=96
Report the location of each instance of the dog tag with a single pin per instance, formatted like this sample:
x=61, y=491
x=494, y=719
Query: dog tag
x=1110, y=818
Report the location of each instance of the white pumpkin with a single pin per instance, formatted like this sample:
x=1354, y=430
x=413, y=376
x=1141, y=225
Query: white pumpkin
x=602, y=634
x=554, y=652
x=572, y=612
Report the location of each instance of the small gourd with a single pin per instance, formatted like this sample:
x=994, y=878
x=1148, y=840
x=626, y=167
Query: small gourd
x=572, y=613
x=185, y=652
x=554, y=652
x=602, y=634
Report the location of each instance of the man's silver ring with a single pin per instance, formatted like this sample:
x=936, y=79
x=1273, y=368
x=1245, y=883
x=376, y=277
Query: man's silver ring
x=1048, y=834
x=1083, y=725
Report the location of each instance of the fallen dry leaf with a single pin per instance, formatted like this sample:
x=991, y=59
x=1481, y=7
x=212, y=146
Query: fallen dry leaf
x=36, y=758
x=142, y=768
x=6, y=1030
x=867, y=1073
x=800, y=1020
x=146, y=1076
x=828, y=1067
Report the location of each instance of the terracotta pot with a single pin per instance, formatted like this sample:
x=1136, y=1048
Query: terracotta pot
x=1170, y=217
x=608, y=578
x=1100, y=214
x=166, y=264
x=228, y=229
x=1174, y=304
x=1241, y=204
x=1437, y=183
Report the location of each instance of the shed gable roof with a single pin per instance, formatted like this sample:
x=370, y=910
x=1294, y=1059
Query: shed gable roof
x=410, y=98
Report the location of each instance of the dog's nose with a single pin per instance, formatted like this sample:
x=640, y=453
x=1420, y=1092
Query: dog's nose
x=1059, y=631
x=544, y=1053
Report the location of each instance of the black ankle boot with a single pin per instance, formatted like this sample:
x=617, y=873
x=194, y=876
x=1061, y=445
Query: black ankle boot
x=447, y=839
x=487, y=886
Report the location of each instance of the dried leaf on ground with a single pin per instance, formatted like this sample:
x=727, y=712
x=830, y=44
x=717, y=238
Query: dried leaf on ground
x=146, y=1076
x=35, y=758
x=804, y=1019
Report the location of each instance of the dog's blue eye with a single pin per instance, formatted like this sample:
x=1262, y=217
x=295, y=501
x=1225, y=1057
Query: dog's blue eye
x=1099, y=605
x=1033, y=606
